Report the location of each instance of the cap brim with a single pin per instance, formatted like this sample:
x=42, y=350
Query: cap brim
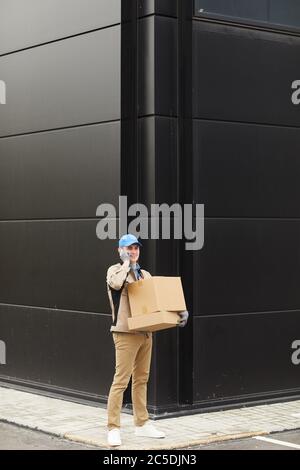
x=134, y=243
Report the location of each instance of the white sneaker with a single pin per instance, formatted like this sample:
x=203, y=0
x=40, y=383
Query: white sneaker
x=114, y=437
x=148, y=430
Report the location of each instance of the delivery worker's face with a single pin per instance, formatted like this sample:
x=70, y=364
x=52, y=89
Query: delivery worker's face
x=134, y=252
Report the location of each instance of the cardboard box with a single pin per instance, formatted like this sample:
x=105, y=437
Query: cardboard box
x=156, y=294
x=153, y=321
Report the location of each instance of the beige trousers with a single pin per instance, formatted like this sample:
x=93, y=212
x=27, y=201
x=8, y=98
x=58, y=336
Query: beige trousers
x=133, y=358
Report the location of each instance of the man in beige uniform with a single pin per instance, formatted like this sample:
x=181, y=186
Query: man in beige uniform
x=133, y=349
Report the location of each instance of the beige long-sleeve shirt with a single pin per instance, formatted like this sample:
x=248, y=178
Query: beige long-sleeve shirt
x=118, y=277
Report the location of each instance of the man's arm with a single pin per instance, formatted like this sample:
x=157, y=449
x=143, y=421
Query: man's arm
x=116, y=275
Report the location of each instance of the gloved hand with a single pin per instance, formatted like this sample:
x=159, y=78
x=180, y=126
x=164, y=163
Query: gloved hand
x=124, y=255
x=183, y=318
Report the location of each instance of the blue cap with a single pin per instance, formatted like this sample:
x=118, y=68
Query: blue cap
x=128, y=239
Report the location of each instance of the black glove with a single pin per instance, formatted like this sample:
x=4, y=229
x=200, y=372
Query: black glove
x=183, y=318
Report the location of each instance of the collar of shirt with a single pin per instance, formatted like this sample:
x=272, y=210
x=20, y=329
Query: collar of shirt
x=136, y=270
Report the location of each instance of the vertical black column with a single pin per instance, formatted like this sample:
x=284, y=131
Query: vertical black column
x=130, y=179
x=157, y=160
x=186, y=188
x=157, y=164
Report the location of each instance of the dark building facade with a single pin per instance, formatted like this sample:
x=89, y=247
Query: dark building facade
x=163, y=101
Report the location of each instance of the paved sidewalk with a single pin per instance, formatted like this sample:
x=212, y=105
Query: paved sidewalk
x=87, y=424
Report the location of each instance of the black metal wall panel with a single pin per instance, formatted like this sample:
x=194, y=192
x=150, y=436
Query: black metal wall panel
x=31, y=22
x=65, y=173
x=61, y=351
x=157, y=7
x=157, y=66
x=146, y=7
x=158, y=150
x=146, y=66
x=56, y=168
x=62, y=84
x=247, y=265
x=165, y=66
x=164, y=372
x=245, y=356
x=243, y=170
x=59, y=264
x=244, y=75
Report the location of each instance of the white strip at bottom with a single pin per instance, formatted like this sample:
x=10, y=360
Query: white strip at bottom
x=276, y=441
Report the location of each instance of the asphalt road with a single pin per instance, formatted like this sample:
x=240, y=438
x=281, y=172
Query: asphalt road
x=16, y=438
x=289, y=440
